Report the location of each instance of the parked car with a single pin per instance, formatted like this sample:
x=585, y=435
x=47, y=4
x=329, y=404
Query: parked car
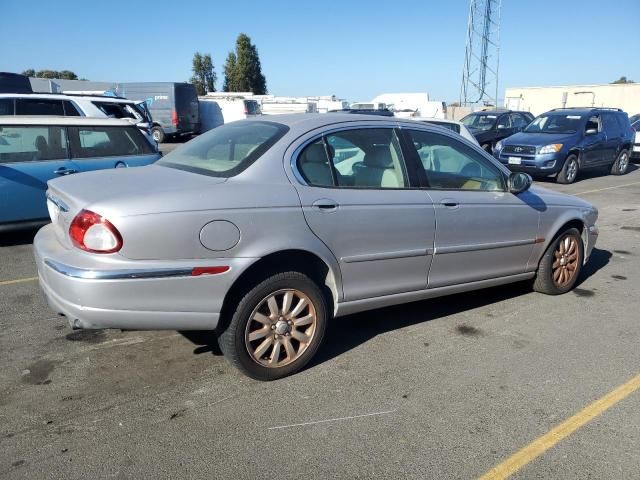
x=491, y=126
x=267, y=231
x=636, y=141
x=452, y=125
x=565, y=141
x=73, y=105
x=634, y=118
x=14, y=83
x=174, y=106
x=34, y=150
x=216, y=111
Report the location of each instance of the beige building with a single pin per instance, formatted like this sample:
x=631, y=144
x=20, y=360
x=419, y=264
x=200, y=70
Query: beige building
x=538, y=100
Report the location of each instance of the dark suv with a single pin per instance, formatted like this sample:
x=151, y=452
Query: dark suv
x=564, y=141
x=491, y=126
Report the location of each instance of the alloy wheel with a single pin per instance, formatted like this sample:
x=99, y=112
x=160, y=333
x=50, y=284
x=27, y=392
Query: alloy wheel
x=623, y=162
x=572, y=170
x=565, y=264
x=281, y=328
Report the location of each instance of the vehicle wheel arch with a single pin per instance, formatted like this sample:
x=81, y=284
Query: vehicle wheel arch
x=561, y=226
x=303, y=261
x=577, y=152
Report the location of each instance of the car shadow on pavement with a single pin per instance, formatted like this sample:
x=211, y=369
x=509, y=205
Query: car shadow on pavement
x=588, y=174
x=345, y=333
x=21, y=237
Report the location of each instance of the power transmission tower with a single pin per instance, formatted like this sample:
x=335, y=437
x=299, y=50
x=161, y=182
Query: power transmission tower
x=482, y=54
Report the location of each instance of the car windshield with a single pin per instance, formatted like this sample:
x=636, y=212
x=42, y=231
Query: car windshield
x=556, y=123
x=227, y=150
x=480, y=121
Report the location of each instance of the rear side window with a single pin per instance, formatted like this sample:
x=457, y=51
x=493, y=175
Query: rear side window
x=226, y=150
x=251, y=107
x=32, y=143
x=359, y=158
x=38, y=106
x=6, y=106
x=91, y=142
x=611, y=124
x=115, y=110
x=454, y=127
x=70, y=109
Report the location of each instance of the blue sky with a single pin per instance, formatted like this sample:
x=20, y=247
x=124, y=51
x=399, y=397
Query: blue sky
x=353, y=49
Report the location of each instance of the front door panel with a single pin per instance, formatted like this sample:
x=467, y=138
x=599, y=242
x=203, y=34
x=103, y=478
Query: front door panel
x=482, y=235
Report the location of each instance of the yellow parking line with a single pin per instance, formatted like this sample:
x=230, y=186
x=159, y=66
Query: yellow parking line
x=521, y=458
x=18, y=280
x=607, y=188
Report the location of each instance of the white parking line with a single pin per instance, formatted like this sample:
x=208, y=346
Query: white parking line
x=607, y=188
x=331, y=420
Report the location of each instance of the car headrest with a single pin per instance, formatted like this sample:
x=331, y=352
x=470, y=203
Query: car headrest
x=379, y=157
x=41, y=143
x=315, y=153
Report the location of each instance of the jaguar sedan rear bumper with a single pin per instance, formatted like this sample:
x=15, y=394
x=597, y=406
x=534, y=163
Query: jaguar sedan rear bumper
x=100, y=292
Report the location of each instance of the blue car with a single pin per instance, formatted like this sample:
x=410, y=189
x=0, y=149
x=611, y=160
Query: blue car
x=565, y=141
x=34, y=150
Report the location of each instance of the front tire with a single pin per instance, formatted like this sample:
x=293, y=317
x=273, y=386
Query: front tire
x=569, y=171
x=620, y=166
x=561, y=263
x=277, y=327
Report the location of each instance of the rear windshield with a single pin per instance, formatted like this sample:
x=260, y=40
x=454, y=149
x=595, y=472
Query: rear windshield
x=480, y=121
x=252, y=107
x=227, y=150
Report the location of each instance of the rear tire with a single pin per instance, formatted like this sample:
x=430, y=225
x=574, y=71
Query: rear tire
x=621, y=165
x=158, y=134
x=270, y=334
x=569, y=171
x=560, y=266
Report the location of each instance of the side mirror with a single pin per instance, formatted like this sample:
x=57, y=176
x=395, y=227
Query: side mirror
x=518, y=182
x=591, y=131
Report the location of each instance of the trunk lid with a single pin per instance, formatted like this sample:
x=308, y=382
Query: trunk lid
x=124, y=192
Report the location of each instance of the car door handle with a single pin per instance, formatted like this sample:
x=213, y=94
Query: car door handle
x=64, y=171
x=449, y=203
x=325, y=205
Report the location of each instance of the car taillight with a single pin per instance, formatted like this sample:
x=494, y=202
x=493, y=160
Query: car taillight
x=93, y=233
x=174, y=117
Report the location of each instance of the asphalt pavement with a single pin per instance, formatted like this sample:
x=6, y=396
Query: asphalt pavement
x=445, y=388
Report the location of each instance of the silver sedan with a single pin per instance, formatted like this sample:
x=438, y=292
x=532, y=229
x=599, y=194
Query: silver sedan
x=262, y=230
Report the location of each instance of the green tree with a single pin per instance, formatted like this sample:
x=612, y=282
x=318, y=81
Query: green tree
x=29, y=72
x=204, y=74
x=622, y=79
x=229, y=73
x=63, y=74
x=67, y=75
x=243, y=71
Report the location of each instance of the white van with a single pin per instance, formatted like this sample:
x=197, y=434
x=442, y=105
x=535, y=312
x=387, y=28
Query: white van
x=216, y=110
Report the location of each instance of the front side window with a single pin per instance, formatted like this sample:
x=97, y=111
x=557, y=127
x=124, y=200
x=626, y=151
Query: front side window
x=70, y=109
x=593, y=123
x=358, y=158
x=451, y=165
x=38, y=106
x=518, y=121
x=32, y=143
x=227, y=150
x=92, y=142
x=117, y=110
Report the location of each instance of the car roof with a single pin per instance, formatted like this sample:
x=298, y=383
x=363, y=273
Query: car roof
x=583, y=110
x=18, y=120
x=64, y=96
x=434, y=120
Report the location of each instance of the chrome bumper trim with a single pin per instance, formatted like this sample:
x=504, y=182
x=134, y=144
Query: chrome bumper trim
x=85, y=274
